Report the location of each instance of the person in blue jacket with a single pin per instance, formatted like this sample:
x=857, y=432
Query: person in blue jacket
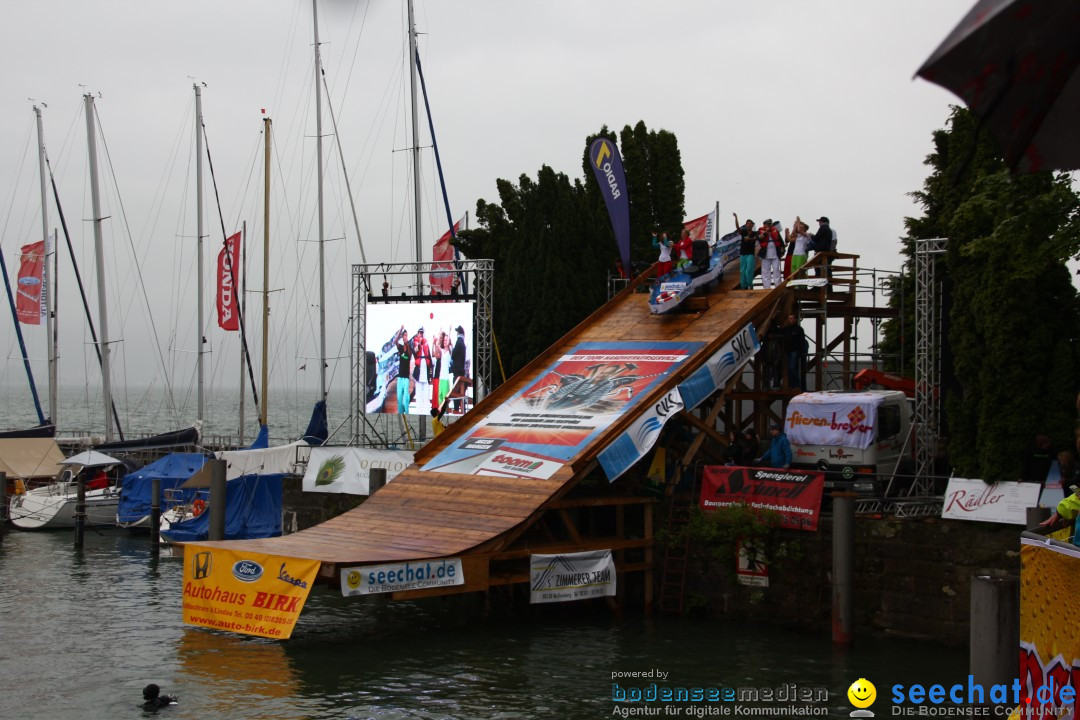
x=778, y=454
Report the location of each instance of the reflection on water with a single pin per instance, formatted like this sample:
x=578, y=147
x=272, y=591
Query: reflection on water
x=82, y=633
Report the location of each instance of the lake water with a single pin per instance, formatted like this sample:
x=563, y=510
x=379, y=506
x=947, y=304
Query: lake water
x=82, y=633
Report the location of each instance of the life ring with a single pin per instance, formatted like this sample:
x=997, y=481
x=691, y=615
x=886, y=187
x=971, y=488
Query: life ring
x=198, y=506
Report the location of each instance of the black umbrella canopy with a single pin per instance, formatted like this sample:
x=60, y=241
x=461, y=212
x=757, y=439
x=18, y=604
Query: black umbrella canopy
x=1014, y=64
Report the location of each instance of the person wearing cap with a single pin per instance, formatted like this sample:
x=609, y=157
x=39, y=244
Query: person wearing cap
x=825, y=242
x=778, y=454
x=771, y=252
x=747, y=253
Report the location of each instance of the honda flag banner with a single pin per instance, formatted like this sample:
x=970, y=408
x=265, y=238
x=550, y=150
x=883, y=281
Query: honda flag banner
x=607, y=165
x=795, y=495
x=702, y=228
x=228, y=270
x=441, y=277
x=29, y=300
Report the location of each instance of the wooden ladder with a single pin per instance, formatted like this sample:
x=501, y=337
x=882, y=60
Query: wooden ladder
x=677, y=554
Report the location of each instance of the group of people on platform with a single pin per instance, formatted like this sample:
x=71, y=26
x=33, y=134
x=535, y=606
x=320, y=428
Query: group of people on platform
x=744, y=449
x=793, y=248
x=673, y=254
x=425, y=369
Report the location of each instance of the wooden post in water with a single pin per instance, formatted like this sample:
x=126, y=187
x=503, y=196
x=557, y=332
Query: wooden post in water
x=995, y=629
x=217, y=500
x=80, y=511
x=3, y=505
x=843, y=568
x=155, y=515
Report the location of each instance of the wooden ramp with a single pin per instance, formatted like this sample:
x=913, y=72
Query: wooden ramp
x=480, y=518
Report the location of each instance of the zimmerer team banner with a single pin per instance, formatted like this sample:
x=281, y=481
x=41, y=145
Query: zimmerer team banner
x=607, y=164
x=795, y=495
x=641, y=436
x=539, y=429
x=243, y=592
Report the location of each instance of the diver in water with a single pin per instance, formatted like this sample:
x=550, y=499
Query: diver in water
x=153, y=698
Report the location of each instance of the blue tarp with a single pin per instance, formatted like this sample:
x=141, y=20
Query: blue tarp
x=253, y=510
x=172, y=470
x=318, y=428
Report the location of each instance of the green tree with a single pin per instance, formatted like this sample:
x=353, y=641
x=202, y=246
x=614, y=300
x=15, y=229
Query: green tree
x=1012, y=313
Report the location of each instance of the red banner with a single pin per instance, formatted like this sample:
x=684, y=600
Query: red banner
x=702, y=228
x=441, y=277
x=28, y=306
x=228, y=303
x=795, y=495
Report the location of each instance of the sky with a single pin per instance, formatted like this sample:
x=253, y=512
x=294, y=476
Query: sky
x=780, y=107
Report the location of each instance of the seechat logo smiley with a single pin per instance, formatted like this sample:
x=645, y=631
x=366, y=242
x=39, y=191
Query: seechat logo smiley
x=862, y=694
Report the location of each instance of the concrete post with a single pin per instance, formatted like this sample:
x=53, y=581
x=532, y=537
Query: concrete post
x=155, y=514
x=217, y=500
x=376, y=479
x=995, y=629
x=843, y=568
x=80, y=511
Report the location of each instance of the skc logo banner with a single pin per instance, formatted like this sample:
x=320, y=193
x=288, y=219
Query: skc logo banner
x=640, y=437
x=606, y=163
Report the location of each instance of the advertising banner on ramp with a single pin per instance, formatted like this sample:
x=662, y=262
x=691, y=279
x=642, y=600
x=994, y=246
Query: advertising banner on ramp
x=571, y=576
x=244, y=592
x=795, y=495
x=554, y=418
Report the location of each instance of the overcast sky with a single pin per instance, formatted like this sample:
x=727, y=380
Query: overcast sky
x=781, y=107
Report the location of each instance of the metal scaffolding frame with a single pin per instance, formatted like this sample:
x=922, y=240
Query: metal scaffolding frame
x=927, y=362
x=392, y=431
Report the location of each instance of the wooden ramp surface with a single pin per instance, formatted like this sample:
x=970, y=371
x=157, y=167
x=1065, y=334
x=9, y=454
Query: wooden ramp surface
x=426, y=514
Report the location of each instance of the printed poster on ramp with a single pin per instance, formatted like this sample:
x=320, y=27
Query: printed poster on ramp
x=556, y=416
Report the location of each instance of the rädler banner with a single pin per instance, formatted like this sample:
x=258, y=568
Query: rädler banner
x=795, y=495
x=228, y=271
x=1001, y=502
x=441, y=277
x=28, y=300
x=243, y=592
x=606, y=163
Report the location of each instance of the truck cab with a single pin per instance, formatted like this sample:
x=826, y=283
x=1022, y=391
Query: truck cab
x=858, y=437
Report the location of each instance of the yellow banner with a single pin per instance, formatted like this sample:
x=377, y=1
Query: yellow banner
x=242, y=592
x=1049, y=633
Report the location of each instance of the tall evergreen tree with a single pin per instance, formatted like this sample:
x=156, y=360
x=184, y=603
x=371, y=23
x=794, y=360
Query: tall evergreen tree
x=1012, y=311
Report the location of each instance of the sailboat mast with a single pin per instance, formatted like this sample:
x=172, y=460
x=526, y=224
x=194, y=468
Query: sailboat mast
x=415, y=146
x=266, y=269
x=199, y=250
x=99, y=258
x=50, y=301
x=322, y=237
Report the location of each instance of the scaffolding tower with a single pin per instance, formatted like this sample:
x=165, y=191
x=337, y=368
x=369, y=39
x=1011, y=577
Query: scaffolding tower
x=927, y=362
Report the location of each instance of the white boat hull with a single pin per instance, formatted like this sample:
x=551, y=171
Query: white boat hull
x=53, y=506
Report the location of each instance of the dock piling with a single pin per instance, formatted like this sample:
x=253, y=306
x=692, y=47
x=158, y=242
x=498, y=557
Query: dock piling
x=155, y=515
x=843, y=568
x=80, y=511
x=994, y=629
x=217, y=500
x=376, y=480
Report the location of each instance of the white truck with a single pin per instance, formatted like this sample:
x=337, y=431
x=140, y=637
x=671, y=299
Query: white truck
x=855, y=436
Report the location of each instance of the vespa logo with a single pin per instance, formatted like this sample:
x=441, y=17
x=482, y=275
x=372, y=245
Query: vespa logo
x=247, y=570
x=201, y=564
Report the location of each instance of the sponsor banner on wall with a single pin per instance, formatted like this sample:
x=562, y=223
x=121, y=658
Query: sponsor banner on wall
x=1003, y=502
x=719, y=368
x=244, y=592
x=640, y=437
x=833, y=419
x=571, y=576
x=402, y=576
x=568, y=405
x=794, y=494
x=1049, y=633
x=348, y=470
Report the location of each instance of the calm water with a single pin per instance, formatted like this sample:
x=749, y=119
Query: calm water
x=81, y=634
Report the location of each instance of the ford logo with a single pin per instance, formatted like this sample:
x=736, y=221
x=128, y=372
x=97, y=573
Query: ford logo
x=29, y=281
x=247, y=570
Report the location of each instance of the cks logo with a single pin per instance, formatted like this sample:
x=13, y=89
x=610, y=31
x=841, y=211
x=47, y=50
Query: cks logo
x=247, y=570
x=200, y=565
x=602, y=162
